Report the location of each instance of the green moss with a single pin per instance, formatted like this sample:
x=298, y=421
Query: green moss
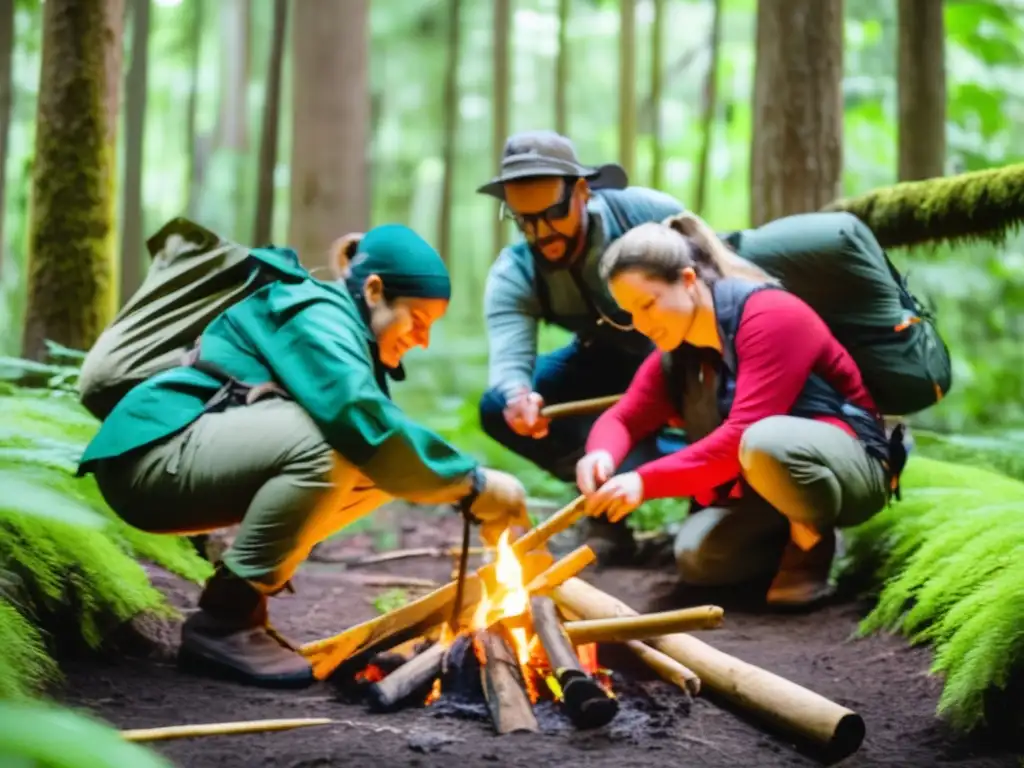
x=982, y=205
x=949, y=561
x=71, y=266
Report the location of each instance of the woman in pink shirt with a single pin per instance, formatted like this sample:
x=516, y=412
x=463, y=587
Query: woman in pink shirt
x=786, y=443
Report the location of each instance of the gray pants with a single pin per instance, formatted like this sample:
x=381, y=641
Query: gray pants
x=264, y=466
x=803, y=472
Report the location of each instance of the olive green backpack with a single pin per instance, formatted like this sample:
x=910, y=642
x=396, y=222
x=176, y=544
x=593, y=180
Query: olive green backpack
x=834, y=263
x=194, y=276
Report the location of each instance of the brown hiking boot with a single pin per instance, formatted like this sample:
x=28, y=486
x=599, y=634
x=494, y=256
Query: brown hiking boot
x=803, y=576
x=229, y=637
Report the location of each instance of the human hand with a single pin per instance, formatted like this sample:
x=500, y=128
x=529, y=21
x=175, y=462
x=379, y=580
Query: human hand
x=616, y=498
x=522, y=414
x=593, y=471
x=500, y=505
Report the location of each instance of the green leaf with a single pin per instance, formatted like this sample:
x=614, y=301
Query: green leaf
x=44, y=735
x=24, y=496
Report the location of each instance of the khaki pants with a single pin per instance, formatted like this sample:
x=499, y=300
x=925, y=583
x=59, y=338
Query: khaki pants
x=264, y=466
x=801, y=471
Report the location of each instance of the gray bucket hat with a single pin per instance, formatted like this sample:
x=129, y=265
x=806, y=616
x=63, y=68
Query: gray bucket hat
x=546, y=153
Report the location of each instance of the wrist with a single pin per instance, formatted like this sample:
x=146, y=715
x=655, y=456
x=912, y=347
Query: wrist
x=477, y=481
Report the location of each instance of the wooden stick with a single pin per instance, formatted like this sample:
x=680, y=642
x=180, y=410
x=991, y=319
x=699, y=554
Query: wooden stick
x=579, y=407
x=623, y=628
x=586, y=703
x=504, y=688
x=836, y=729
x=566, y=568
x=403, y=554
x=220, y=729
x=389, y=580
x=415, y=675
x=427, y=611
x=666, y=667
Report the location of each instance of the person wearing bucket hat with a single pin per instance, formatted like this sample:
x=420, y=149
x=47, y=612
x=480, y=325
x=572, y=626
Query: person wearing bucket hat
x=280, y=421
x=568, y=214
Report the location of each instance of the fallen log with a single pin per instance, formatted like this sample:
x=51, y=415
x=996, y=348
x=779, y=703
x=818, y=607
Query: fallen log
x=503, y=684
x=833, y=728
x=641, y=627
x=414, y=678
x=587, y=704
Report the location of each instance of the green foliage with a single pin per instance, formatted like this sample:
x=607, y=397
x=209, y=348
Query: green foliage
x=950, y=559
x=390, y=600
x=70, y=565
x=980, y=205
x=44, y=736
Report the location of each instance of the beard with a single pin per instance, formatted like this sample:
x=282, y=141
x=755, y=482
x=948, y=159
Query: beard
x=572, y=245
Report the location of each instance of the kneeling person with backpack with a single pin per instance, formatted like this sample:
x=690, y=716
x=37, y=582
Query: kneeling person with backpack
x=787, y=440
x=279, y=420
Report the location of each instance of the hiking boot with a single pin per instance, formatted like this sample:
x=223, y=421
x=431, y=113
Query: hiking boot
x=230, y=637
x=613, y=543
x=803, y=576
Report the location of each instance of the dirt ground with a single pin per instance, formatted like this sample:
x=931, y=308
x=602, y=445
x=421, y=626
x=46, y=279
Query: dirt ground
x=880, y=677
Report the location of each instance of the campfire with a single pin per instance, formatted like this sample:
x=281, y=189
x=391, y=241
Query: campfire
x=512, y=646
x=530, y=630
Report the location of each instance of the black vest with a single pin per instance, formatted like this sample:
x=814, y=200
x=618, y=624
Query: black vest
x=703, y=408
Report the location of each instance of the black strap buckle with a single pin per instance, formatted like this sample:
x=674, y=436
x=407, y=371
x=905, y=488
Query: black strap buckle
x=897, y=459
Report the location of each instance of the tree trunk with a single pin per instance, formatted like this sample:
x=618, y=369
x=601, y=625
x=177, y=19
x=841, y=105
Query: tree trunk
x=196, y=157
x=133, y=212
x=796, y=154
x=232, y=120
x=330, y=120
x=264, y=223
x=71, y=269
x=6, y=91
x=562, y=70
x=657, y=151
x=627, y=85
x=451, y=124
x=921, y=82
x=499, y=125
x=710, y=107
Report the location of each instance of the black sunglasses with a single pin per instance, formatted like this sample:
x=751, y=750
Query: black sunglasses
x=554, y=212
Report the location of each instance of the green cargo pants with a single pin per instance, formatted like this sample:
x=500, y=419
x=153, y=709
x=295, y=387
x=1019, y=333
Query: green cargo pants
x=802, y=472
x=264, y=466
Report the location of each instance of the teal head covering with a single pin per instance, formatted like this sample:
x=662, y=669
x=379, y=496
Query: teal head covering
x=407, y=264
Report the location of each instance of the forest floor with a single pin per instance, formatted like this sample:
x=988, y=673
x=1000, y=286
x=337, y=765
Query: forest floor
x=880, y=677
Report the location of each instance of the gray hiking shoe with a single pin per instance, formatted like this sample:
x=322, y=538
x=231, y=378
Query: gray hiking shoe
x=230, y=637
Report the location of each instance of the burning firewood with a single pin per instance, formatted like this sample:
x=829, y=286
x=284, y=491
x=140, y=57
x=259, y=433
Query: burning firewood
x=413, y=679
x=362, y=640
x=504, y=686
x=587, y=704
x=836, y=729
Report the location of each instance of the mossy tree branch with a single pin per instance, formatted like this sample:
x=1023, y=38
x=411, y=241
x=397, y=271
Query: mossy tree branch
x=981, y=205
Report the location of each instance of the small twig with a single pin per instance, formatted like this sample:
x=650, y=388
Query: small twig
x=220, y=729
x=389, y=580
x=401, y=554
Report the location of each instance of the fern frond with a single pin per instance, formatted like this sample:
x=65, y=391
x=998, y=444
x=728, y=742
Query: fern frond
x=25, y=667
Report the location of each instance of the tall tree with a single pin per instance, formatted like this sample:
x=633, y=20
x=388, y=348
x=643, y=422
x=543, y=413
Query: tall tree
x=451, y=125
x=921, y=83
x=232, y=118
x=657, y=151
x=796, y=154
x=710, y=106
x=133, y=214
x=71, y=266
x=195, y=150
x=264, y=220
x=627, y=85
x=330, y=122
x=6, y=91
x=562, y=70
x=502, y=30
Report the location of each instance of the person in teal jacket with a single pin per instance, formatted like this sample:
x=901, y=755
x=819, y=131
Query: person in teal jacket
x=282, y=423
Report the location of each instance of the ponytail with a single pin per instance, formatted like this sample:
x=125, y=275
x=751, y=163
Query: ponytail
x=341, y=253
x=712, y=253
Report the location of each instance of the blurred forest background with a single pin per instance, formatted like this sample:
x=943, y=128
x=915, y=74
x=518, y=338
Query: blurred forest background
x=296, y=123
